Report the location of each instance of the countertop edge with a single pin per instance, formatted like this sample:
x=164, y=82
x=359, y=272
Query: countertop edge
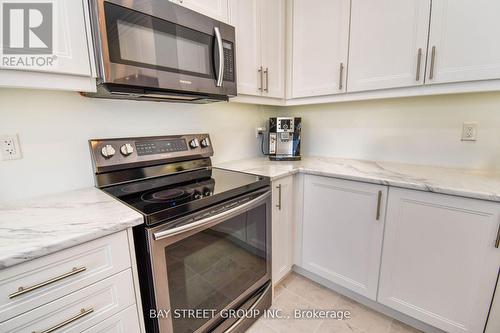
x=51, y=248
x=407, y=185
x=279, y=172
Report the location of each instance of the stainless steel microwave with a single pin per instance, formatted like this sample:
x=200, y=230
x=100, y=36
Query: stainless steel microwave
x=157, y=50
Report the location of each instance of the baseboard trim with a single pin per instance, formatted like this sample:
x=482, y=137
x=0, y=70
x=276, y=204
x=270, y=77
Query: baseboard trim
x=368, y=302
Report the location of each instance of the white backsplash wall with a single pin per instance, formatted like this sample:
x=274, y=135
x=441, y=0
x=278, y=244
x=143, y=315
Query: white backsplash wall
x=54, y=127
x=420, y=130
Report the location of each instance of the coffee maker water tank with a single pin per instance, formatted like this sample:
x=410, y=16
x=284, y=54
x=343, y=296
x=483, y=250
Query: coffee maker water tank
x=284, y=138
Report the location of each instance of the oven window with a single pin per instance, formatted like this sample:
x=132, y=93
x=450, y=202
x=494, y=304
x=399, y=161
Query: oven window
x=213, y=268
x=145, y=41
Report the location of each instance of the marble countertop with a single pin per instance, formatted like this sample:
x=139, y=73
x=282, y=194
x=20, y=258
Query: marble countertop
x=37, y=227
x=461, y=182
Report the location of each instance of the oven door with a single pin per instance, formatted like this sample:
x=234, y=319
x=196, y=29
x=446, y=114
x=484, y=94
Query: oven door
x=157, y=44
x=211, y=261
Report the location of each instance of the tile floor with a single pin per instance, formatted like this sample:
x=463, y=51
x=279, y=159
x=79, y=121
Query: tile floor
x=298, y=292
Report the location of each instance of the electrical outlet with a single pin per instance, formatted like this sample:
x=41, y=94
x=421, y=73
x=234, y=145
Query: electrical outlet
x=469, y=131
x=259, y=131
x=10, y=148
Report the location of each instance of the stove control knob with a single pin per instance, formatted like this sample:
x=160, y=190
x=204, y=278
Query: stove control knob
x=108, y=151
x=194, y=143
x=207, y=192
x=205, y=142
x=198, y=195
x=126, y=149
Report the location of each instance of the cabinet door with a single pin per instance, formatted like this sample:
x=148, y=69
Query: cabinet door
x=70, y=48
x=245, y=16
x=282, y=229
x=440, y=263
x=464, y=36
x=273, y=47
x=343, y=225
x=217, y=9
x=320, y=46
x=388, y=43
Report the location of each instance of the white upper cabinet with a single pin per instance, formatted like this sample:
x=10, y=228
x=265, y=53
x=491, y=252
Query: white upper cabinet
x=70, y=50
x=320, y=47
x=388, y=43
x=440, y=263
x=273, y=47
x=464, y=41
x=246, y=19
x=260, y=46
x=217, y=9
x=342, y=232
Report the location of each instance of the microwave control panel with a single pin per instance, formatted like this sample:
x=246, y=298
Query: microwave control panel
x=228, y=61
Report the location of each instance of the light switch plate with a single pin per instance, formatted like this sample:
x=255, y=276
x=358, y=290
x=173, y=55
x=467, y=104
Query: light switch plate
x=469, y=131
x=10, y=147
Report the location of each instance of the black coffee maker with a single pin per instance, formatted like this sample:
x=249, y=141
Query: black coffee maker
x=284, y=138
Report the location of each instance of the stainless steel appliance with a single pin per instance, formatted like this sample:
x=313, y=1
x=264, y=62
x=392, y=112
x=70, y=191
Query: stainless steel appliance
x=157, y=50
x=206, y=239
x=284, y=138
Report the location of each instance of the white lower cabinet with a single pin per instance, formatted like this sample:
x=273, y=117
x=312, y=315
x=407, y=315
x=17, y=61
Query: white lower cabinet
x=342, y=232
x=439, y=263
x=282, y=228
x=69, y=271
x=123, y=322
x=79, y=310
x=87, y=287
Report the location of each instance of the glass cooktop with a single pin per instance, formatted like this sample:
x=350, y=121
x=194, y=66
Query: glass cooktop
x=164, y=198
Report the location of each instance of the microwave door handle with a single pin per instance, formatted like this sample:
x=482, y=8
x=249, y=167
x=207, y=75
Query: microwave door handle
x=214, y=219
x=220, y=49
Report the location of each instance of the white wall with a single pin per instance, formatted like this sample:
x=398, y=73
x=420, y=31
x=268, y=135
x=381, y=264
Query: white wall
x=421, y=130
x=54, y=127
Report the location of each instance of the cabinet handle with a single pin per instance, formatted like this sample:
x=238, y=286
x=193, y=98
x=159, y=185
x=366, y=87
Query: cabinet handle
x=279, y=197
x=82, y=314
x=266, y=71
x=497, y=243
x=433, y=61
x=341, y=76
x=379, y=203
x=261, y=71
x=23, y=290
x=419, y=62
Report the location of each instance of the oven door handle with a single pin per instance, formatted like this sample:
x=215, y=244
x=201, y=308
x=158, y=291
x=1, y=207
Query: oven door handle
x=214, y=219
x=220, y=50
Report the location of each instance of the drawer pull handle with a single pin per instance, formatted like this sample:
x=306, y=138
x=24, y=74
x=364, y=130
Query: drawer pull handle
x=419, y=64
x=266, y=72
x=341, y=76
x=379, y=203
x=82, y=314
x=23, y=290
x=261, y=73
x=497, y=243
x=433, y=63
x=279, y=197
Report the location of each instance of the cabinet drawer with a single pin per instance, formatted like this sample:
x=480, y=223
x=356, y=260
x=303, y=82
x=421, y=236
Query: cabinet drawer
x=123, y=322
x=56, y=275
x=80, y=310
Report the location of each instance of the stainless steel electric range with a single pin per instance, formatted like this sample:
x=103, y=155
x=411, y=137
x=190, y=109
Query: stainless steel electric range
x=205, y=246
